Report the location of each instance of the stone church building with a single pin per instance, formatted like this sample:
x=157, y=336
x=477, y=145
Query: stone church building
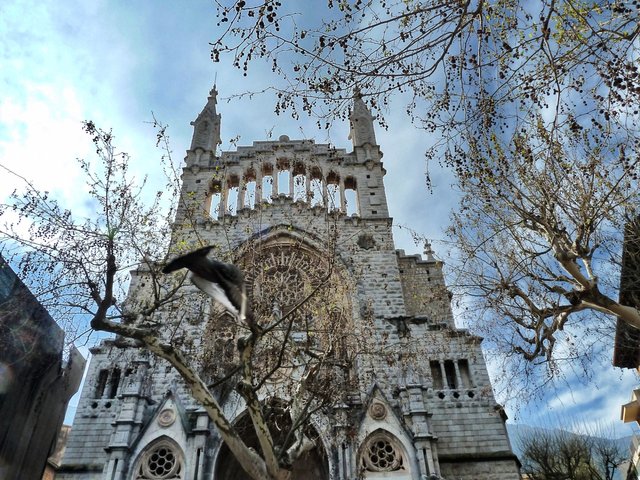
x=422, y=406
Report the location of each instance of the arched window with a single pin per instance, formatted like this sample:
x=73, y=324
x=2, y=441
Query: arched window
x=215, y=199
x=333, y=192
x=232, y=195
x=103, y=376
x=450, y=373
x=299, y=183
x=108, y=378
x=351, y=196
x=316, y=188
x=284, y=176
x=114, y=383
x=161, y=460
x=267, y=183
x=249, y=193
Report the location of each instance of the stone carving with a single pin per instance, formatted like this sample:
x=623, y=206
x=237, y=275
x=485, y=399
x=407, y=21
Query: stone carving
x=378, y=411
x=366, y=241
x=166, y=417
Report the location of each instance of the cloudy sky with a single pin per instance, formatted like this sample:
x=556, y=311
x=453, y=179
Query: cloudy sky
x=117, y=62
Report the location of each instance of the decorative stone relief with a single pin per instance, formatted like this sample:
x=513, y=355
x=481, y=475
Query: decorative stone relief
x=378, y=411
x=166, y=417
x=366, y=241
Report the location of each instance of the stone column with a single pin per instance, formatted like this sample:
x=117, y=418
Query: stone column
x=325, y=195
x=201, y=432
x=274, y=182
x=291, y=182
x=445, y=383
x=224, y=198
x=241, y=202
x=459, y=385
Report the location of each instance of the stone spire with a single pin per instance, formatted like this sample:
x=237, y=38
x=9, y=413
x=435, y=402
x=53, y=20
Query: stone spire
x=206, y=128
x=361, y=123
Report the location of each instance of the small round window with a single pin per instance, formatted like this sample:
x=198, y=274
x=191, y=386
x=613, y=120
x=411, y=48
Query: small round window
x=381, y=455
x=162, y=462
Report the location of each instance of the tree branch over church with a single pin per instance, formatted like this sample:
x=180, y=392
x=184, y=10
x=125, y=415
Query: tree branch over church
x=80, y=267
x=532, y=106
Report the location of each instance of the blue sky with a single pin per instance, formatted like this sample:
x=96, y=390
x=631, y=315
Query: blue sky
x=115, y=62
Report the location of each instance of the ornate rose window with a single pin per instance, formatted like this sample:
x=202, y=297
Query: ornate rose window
x=279, y=276
x=382, y=453
x=163, y=461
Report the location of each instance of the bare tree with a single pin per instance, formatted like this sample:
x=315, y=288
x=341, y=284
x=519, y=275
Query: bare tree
x=535, y=104
x=291, y=359
x=562, y=455
x=448, y=57
x=540, y=236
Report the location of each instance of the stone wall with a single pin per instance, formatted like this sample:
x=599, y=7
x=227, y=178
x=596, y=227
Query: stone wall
x=485, y=469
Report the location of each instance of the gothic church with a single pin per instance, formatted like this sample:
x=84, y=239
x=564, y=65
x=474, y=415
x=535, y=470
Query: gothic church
x=423, y=407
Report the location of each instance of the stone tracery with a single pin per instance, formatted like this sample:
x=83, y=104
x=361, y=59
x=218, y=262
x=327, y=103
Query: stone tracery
x=381, y=453
x=162, y=461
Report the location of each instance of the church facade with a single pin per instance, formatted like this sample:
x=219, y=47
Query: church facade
x=421, y=404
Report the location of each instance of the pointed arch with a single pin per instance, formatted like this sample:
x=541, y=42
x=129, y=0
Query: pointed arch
x=232, y=203
x=313, y=465
x=214, y=204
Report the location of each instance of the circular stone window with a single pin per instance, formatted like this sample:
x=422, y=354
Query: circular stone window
x=162, y=462
x=380, y=455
